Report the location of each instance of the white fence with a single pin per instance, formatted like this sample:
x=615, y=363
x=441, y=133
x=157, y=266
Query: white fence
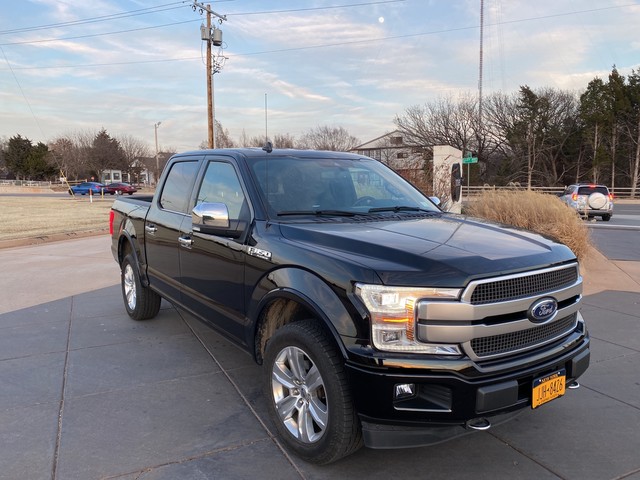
x=25, y=183
x=622, y=193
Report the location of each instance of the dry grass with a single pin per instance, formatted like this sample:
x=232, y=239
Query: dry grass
x=539, y=212
x=39, y=216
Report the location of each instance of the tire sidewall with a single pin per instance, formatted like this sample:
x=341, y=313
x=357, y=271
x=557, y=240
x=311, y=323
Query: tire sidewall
x=136, y=313
x=293, y=335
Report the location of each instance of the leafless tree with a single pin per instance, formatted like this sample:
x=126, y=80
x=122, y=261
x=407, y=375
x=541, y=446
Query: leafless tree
x=135, y=151
x=444, y=121
x=284, y=141
x=328, y=138
x=133, y=148
x=223, y=139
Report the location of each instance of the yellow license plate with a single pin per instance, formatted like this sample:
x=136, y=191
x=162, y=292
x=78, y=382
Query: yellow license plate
x=548, y=387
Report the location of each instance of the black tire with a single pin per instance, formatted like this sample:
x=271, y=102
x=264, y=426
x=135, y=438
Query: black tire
x=317, y=420
x=141, y=302
x=606, y=218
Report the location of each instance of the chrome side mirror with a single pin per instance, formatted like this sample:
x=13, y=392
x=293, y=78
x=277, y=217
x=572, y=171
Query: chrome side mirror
x=213, y=215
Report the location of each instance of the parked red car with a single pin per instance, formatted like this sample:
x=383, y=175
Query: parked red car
x=120, y=188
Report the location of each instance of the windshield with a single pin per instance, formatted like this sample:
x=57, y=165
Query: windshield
x=334, y=186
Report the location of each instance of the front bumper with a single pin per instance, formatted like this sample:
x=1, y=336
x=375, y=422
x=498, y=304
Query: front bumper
x=450, y=393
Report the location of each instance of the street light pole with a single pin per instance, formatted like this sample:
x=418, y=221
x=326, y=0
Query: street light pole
x=155, y=130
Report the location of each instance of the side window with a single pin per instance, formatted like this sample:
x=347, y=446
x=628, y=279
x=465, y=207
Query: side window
x=177, y=187
x=221, y=185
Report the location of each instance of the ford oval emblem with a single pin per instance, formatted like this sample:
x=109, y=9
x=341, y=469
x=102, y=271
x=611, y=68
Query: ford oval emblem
x=543, y=310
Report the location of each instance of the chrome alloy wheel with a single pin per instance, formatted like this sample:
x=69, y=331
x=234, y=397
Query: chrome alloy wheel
x=129, y=286
x=299, y=394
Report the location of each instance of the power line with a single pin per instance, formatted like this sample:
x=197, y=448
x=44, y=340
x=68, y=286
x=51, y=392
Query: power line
x=325, y=45
x=24, y=96
x=160, y=8
x=434, y=32
x=114, y=16
x=133, y=13
x=110, y=64
x=48, y=40
x=332, y=7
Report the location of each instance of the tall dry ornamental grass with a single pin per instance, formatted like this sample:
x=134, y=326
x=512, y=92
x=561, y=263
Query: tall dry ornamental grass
x=538, y=212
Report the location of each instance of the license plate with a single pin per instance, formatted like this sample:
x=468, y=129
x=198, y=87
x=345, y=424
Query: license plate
x=548, y=387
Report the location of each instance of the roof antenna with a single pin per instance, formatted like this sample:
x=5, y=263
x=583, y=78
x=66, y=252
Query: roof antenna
x=268, y=147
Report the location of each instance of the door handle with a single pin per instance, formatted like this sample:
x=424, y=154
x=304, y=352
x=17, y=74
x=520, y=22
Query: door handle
x=150, y=228
x=185, y=242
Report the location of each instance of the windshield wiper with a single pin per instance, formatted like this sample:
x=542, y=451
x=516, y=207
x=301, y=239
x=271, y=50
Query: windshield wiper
x=398, y=208
x=329, y=213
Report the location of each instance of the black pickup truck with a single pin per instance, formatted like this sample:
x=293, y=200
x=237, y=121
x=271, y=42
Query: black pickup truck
x=378, y=319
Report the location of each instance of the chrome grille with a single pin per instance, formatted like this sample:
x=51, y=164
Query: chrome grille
x=523, y=339
x=523, y=286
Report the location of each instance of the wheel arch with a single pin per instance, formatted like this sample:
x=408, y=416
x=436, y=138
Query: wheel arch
x=128, y=243
x=291, y=294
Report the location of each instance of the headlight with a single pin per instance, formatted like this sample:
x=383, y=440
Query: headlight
x=393, y=318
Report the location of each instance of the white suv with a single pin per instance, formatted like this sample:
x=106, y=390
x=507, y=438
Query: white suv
x=589, y=200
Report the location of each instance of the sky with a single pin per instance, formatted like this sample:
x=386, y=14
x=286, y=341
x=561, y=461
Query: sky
x=288, y=66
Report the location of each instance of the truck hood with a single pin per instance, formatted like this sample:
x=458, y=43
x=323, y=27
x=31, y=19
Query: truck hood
x=441, y=250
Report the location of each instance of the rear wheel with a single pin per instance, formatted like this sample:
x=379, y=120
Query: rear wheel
x=606, y=218
x=141, y=302
x=308, y=393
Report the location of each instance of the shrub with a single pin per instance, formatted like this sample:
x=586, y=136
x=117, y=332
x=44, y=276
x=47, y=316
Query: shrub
x=538, y=212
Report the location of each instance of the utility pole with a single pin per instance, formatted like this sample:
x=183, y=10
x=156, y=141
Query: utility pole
x=211, y=36
x=210, y=116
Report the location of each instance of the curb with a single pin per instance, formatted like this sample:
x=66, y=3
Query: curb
x=58, y=237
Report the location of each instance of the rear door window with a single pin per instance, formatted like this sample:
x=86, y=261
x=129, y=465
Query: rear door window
x=176, y=191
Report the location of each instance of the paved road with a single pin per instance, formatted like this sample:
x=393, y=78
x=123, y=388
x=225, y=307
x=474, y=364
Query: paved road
x=87, y=393
x=619, y=238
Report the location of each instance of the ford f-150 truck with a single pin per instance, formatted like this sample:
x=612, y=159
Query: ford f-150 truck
x=378, y=319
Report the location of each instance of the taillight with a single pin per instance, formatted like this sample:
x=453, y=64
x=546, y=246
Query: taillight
x=111, y=217
x=574, y=197
x=610, y=196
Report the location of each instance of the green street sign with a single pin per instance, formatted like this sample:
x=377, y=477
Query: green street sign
x=470, y=160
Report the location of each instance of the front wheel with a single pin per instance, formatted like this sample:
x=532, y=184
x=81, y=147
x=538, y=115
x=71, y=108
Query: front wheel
x=308, y=393
x=141, y=302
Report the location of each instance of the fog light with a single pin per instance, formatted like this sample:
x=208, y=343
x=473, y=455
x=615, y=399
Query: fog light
x=404, y=390
x=390, y=336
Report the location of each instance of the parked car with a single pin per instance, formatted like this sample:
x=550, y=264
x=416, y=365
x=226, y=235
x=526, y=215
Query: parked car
x=96, y=188
x=589, y=200
x=120, y=188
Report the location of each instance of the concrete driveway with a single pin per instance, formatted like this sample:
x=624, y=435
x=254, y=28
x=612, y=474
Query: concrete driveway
x=87, y=393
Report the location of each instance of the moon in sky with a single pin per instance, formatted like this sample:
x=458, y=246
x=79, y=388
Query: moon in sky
x=381, y=19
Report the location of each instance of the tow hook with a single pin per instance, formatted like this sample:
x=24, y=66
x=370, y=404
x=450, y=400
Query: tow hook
x=573, y=385
x=480, y=423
